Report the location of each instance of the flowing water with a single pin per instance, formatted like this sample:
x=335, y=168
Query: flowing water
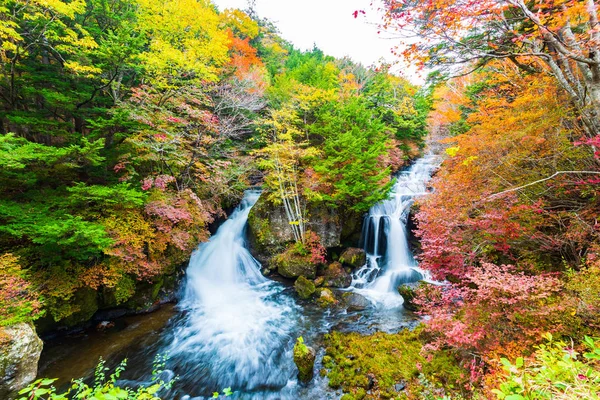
x=390, y=262
x=235, y=328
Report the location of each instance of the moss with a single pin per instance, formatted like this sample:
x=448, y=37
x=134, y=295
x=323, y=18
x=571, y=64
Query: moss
x=261, y=231
x=304, y=287
x=353, y=257
x=292, y=264
x=124, y=289
x=369, y=367
x=304, y=358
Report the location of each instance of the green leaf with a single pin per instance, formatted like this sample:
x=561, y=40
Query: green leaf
x=519, y=362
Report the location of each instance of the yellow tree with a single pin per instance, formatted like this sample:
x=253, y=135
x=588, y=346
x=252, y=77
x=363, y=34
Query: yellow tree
x=185, y=41
x=282, y=157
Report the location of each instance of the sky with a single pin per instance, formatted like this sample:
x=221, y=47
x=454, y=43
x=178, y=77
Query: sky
x=330, y=25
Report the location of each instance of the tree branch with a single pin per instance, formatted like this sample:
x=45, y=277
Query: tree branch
x=541, y=180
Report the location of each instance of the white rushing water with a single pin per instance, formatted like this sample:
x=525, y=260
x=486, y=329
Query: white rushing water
x=389, y=259
x=238, y=325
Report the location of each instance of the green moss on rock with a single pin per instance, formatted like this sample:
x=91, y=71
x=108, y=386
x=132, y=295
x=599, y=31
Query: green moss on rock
x=84, y=305
x=304, y=358
x=408, y=293
x=375, y=366
x=336, y=276
x=304, y=287
x=293, y=264
x=353, y=257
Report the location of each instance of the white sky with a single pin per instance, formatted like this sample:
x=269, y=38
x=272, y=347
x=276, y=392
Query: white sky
x=330, y=25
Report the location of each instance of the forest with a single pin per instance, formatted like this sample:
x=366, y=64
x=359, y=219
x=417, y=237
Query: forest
x=325, y=229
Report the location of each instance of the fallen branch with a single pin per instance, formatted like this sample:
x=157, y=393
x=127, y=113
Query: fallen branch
x=542, y=180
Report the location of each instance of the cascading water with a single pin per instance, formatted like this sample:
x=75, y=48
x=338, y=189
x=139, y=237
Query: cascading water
x=237, y=329
x=385, y=240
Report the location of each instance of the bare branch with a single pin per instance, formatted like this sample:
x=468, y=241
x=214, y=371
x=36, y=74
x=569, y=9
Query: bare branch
x=542, y=180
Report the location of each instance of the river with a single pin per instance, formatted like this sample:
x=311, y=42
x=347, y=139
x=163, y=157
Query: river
x=235, y=328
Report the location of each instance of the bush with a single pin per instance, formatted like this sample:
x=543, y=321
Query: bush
x=555, y=371
x=102, y=389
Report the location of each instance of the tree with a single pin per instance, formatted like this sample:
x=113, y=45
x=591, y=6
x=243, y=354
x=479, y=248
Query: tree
x=351, y=170
x=561, y=37
x=283, y=156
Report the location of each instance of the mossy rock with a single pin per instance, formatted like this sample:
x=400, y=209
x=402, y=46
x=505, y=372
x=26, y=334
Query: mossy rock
x=353, y=257
x=268, y=229
x=385, y=365
x=408, y=293
x=304, y=287
x=304, y=358
x=336, y=276
x=146, y=295
x=289, y=264
x=326, y=298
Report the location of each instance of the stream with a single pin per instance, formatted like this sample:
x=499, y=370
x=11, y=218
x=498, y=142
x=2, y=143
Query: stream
x=235, y=328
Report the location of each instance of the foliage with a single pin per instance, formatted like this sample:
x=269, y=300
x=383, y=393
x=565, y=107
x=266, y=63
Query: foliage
x=18, y=301
x=559, y=38
x=103, y=388
x=494, y=307
x=513, y=239
x=555, y=371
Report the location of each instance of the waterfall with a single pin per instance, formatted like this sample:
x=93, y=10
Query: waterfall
x=237, y=326
x=390, y=262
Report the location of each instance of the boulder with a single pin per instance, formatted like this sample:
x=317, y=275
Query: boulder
x=304, y=287
x=304, y=357
x=408, y=293
x=293, y=266
x=353, y=257
x=355, y=301
x=20, y=349
x=326, y=298
x=336, y=276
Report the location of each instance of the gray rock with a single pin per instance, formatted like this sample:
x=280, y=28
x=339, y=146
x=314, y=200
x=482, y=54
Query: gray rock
x=20, y=352
x=355, y=301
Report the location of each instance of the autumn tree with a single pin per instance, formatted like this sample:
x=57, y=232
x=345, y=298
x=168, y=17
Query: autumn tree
x=559, y=37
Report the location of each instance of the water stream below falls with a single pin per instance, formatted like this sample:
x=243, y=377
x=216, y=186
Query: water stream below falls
x=235, y=328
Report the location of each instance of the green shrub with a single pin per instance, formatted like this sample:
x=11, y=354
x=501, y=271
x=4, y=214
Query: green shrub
x=556, y=371
x=103, y=388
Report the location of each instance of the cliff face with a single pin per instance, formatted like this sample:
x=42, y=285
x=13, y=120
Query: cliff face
x=269, y=231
